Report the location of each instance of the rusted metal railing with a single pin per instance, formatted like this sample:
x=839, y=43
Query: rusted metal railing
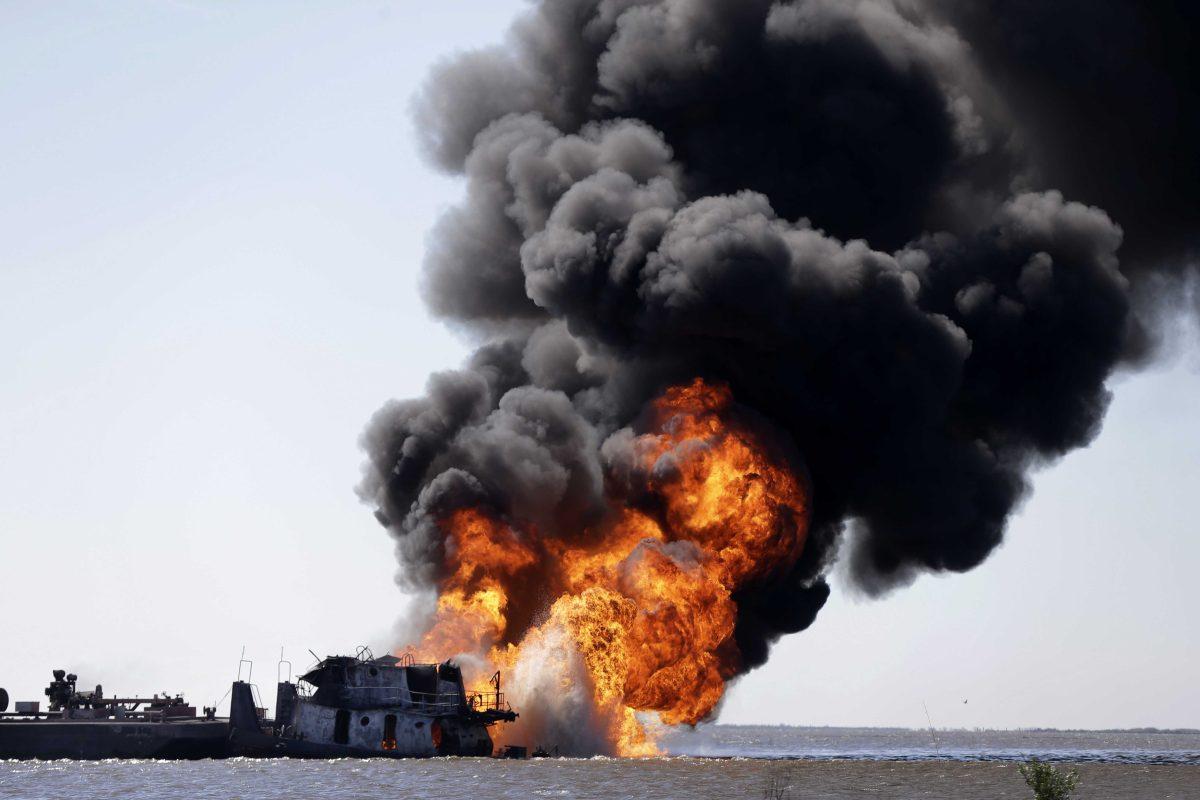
x=487, y=701
x=437, y=702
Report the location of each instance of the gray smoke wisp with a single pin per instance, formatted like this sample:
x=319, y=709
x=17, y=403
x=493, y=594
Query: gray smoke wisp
x=895, y=230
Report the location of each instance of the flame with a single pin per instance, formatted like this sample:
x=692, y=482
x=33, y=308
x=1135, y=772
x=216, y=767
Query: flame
x=482, y=556
x=647, y=597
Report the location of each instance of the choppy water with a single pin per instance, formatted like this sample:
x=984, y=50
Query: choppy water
x=811, y=764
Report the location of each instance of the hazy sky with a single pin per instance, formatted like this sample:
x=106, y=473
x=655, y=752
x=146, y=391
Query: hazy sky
x=212, y=217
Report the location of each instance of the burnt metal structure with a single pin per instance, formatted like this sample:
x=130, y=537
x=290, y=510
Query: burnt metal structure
x=367, y=707
x=88, y=725
x=345, y=706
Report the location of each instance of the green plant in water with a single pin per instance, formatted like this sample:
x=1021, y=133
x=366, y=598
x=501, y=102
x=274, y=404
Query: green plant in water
x=1047, y=782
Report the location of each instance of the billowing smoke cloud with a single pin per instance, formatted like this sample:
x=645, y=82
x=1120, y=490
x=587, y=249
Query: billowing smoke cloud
x=892, y=229
x=1105, y=94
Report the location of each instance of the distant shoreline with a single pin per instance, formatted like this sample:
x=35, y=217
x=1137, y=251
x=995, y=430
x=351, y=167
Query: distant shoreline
x=1144, y=746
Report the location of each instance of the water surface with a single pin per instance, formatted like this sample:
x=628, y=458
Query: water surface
x=721, y=762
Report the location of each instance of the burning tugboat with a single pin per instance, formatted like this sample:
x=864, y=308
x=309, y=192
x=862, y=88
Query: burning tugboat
x=362, y=706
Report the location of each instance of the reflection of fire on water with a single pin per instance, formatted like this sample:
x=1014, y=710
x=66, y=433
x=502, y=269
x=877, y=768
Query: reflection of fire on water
x=637, y=615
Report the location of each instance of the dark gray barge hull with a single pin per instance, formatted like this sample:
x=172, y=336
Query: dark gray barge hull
x=93, y=740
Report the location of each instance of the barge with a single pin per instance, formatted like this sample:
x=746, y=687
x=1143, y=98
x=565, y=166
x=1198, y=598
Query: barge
x=88, y=725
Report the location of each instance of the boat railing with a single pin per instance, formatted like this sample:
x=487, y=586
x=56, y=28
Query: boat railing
x=487, y=701
x=437, y=702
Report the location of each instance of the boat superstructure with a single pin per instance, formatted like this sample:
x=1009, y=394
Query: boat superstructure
x=362, y=706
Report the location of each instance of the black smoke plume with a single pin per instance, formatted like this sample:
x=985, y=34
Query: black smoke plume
x=892, y=228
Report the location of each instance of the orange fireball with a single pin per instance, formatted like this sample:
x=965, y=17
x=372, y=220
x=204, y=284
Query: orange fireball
x=646, y=597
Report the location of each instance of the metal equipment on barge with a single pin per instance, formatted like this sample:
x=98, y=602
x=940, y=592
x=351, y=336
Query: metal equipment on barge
x=89, y=725
x=362, y=706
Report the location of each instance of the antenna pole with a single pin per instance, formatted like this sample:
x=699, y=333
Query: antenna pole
x=936, y=745
x=243, y=660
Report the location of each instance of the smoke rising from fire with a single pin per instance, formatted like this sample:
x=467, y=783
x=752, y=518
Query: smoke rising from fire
x=748, y=274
